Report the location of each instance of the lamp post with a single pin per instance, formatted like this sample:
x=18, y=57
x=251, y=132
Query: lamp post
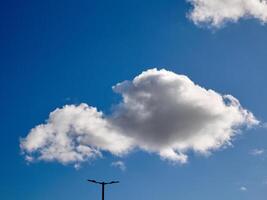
x=103, y=185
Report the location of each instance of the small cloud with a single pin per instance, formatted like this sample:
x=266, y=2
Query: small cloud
x=29, y=158
x=119, y=164
x=215, y=13
x=257, y=152
x=264, y=125
x=243, y=188
x=77, y=166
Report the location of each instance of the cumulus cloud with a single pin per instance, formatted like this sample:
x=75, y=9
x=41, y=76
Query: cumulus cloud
x=216, y=12
x=160, y=112
x=119, y=164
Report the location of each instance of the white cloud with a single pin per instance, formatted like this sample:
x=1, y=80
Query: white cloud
x=160, y=112
x=216, y=12
x=243, y=188
x=74, y=134
x=119, y=164
x=257, y=152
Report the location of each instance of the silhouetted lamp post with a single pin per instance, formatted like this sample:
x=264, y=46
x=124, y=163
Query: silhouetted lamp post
x=103, y=185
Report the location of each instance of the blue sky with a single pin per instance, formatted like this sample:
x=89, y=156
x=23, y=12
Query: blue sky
x=66, y=52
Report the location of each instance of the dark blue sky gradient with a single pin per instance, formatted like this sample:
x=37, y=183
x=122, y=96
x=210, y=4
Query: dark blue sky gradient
x=63, y=52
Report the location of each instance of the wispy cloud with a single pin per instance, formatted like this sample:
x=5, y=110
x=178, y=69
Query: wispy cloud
x=264, y=125
x=160, y=112
x=243, y=188
x=119, y=164
x=257, y=152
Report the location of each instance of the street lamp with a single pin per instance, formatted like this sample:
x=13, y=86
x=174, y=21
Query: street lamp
x=103, y=185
